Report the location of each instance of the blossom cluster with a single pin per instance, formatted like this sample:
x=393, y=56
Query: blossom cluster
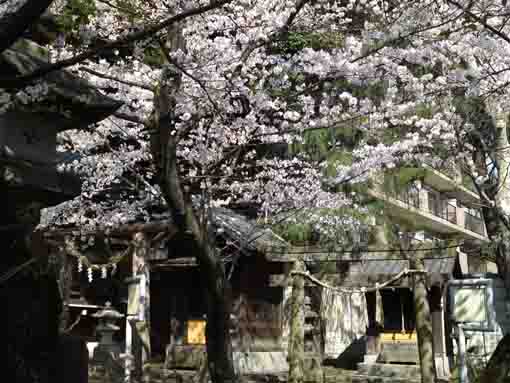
x=385, y=88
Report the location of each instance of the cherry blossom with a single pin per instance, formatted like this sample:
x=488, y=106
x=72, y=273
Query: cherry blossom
x=261, y=76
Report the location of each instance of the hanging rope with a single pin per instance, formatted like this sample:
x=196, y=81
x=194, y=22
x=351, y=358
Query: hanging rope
x=343, y=290
x=71, y=250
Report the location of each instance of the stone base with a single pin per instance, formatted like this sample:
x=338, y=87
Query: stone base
x=260, y=362
x=185, y=356
x=399, y=353
x=442, y=366
x=91, y=346
x=381, y=379
x=389, y=370
x=386, y=373
x=370, y=358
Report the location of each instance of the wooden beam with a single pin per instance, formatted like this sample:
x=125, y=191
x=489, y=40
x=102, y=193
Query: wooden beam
x=318, y=254
x=177, y=262
x=118, y=231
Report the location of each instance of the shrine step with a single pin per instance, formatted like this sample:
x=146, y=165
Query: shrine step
x=389, y=370
x=358, y=378
x=399, y=352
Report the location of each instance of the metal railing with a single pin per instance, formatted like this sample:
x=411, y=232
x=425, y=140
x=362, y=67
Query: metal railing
x=409, y=197
x=444, y=210
x=451, y=213
x=439, y=208
x=473, y=223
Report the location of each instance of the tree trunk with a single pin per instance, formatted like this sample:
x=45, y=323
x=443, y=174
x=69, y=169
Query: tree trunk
x=297, y=322
x=219, y=345
x=142, y=340
x=164, y=143
x=498, y=367
x=423, y=323
x=495, y=202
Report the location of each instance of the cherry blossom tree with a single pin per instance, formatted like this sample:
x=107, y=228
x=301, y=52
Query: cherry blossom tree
x=216, y=93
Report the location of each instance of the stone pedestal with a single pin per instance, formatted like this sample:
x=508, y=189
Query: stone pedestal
x=373, y=347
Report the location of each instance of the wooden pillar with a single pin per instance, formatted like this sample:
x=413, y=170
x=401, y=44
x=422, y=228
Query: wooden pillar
x=297, y=322
x=423, y=321
x=65, y=282
x=142, y=273
x=375, y=324
x=402, y=313
x=138, y=316
x=128, y=354
x=285, y=306
x=438, y=331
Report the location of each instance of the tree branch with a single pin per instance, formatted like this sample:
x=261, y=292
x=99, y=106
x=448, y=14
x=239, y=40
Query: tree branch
x=168, y=57
x=15, y=24
x=130, y=118
x=23, y=80
x=479, y=20
x=121, y=81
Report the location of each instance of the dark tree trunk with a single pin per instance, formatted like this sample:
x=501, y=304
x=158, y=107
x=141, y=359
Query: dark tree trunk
x=497, y=223
x=498, y=367
x=219, y=345
x=164, y=149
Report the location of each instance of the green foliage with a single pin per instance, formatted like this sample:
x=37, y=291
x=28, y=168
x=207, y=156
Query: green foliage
x=153, y=56
x=419, y=70
x=130, y=9
x=296, y=41
x=424, y=111
x=398, y=180
x=474, y=110
x=323, y=268
x=374, y=90
x=295, y=232
x=315, y=143
x=318, y=144
x=76, y=13
x=404, y=176
x=300, y=233
x=335, y=158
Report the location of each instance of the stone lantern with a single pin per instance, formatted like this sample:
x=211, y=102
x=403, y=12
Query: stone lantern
x=107, y=327
x=107, y=354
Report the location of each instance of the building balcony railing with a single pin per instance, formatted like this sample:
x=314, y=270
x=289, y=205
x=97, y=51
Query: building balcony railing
x=409, y=197
x=428, y=210
x=474, y=223
x=444, y=210
x=441, y=209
